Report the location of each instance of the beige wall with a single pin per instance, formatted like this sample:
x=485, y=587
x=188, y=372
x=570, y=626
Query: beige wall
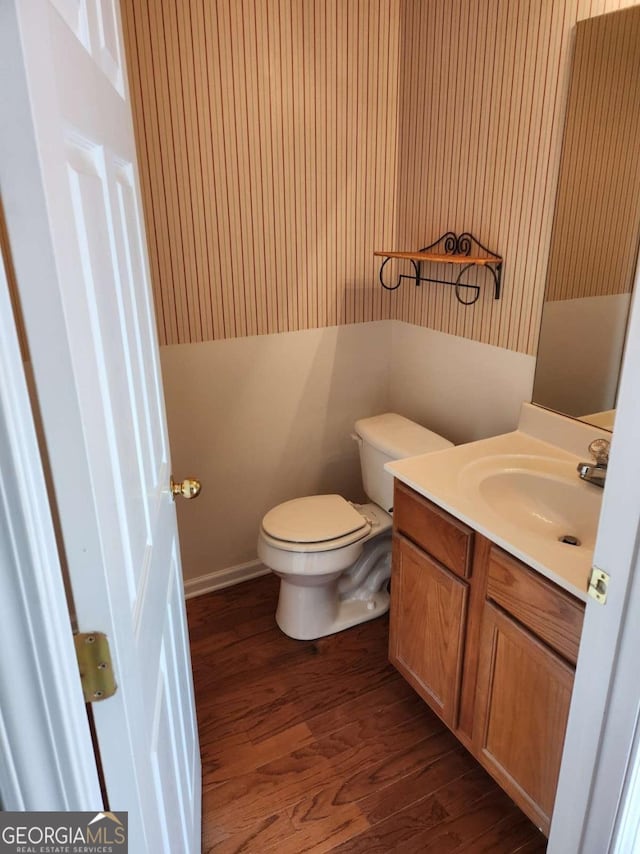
x=264, y=419
x=581, y=346
x=481, y=118
x=483, y=93
x=597, y=221
x=264, y=207
x=267, y=134
x=462, y=389
x=282, y=141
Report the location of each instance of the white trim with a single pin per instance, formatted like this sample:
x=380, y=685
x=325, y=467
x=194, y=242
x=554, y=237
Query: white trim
x=627, y=835
x=603, y=716
x=227, y=577
x=46, y=753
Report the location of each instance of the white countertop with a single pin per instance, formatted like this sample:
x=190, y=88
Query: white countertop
x=443, y=477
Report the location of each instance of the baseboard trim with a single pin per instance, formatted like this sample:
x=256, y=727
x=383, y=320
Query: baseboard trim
x=223, y=578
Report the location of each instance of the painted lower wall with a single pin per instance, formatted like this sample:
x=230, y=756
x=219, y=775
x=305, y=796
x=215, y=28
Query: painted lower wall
x=581, y=344
x=460, y=388
x=263, y=419
x=267, y=418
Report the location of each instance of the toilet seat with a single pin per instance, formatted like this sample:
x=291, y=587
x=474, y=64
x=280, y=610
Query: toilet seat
x=313, y=524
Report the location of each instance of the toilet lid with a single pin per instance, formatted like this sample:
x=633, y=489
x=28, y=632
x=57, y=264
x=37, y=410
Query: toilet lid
x=314, y=519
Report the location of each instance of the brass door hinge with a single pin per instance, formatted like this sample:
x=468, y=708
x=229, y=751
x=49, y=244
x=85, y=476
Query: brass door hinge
x=94, y=661
x=598, y=584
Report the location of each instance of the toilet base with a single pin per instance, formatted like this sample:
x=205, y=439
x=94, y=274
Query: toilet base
x=347, y=614
x=313, y=606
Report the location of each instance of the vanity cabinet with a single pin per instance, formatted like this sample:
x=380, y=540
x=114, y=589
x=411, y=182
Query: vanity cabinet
x=429, y=611
x=429, y=601
x=488, y=643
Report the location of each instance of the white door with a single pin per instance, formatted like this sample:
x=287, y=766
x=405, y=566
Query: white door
x=71, y=200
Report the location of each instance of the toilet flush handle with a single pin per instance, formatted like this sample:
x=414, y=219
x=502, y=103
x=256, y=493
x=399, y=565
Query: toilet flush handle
x=189, y=488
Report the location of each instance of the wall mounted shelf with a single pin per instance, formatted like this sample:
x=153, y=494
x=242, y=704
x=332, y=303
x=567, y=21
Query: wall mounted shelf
x=450, y=248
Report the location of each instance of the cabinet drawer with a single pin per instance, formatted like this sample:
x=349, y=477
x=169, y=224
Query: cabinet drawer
x=548, y=611
x=445, y=538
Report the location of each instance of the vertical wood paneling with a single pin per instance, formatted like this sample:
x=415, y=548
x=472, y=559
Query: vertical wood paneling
x=267, y=135
x=597, y=220
x=282, y=141
x=481, y=118
x=482, y=99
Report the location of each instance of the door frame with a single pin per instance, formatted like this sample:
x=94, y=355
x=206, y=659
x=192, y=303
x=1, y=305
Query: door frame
x=600, y=766
x=597, y=800
x=54, y=768
x=56, y=720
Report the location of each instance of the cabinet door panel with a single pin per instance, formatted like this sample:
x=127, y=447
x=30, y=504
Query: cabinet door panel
x=522, y=703
x=428, y=616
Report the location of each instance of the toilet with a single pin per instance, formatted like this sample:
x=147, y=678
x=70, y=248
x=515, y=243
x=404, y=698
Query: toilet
x=333, y=557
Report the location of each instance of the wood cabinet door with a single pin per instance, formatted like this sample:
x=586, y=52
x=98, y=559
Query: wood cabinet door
x=522, y=703
x=427, y=624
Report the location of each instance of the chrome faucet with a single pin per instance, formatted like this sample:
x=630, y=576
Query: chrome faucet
x=596, y=474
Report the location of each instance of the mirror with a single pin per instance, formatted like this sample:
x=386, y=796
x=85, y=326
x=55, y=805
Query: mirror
x=596, y=225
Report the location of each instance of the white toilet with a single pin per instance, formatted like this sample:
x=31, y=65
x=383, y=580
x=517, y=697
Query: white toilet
x=333, y=557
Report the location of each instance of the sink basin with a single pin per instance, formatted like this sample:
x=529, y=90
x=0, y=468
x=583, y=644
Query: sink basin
x=540, y=495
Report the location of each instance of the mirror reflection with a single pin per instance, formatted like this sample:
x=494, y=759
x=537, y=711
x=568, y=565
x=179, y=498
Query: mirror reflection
x=596, y=228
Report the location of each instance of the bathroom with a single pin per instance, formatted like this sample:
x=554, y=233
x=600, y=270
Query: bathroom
x=282, y=202
x=341, y=129
x=338, y=130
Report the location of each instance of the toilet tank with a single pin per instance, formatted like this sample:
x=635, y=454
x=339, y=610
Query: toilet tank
x=387, y=437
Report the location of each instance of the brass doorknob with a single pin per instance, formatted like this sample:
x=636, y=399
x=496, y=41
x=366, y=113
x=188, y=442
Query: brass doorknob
x=189, y=488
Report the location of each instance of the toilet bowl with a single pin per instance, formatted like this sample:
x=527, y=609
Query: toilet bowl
x=333, y=557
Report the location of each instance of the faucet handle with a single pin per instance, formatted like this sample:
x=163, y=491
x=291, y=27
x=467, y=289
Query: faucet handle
x=599, y=450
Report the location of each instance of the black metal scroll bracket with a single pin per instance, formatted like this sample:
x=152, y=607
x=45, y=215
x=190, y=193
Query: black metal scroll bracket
x=452, y=244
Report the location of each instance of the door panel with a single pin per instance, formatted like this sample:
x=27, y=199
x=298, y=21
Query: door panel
x=106, y=339
x=96, y=26
x=91, y=332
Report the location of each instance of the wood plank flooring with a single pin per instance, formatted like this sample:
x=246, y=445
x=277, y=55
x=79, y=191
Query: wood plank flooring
x=313, y=746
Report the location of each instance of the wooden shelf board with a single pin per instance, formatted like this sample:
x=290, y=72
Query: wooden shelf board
x=438, y=258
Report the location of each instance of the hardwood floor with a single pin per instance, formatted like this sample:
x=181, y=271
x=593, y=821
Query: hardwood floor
x=322, y=746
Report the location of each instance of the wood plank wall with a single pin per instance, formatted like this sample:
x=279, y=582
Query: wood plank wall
x=267, y=144
x=282, y=141
x=596, y=229
x=484, y=89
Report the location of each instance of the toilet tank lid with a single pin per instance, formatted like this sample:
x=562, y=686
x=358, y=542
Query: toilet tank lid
x=398, y=437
